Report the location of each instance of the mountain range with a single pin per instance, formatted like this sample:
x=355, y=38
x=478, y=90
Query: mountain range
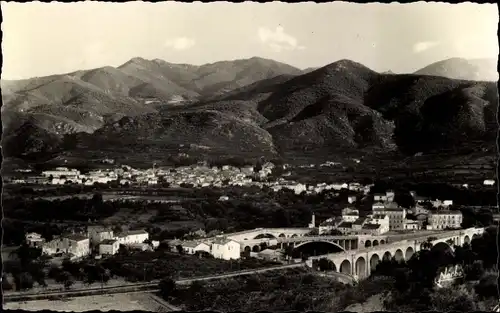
x=253, y=107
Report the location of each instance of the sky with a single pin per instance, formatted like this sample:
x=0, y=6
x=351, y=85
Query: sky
x=52, y=38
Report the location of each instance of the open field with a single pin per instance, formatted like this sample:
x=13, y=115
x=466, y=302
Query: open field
x=119, y=302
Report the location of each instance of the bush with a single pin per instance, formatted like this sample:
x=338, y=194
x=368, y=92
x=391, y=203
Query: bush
x=487, y=286
x=453, y=299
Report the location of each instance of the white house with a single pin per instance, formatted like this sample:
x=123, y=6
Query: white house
x=411, y=225
x=489, y=182
x=227, y=249
x=382, y=220
x=132, y=236
x=379, y=197
x=350, y=214
x=329, y=225
x=191, y=247
x=61, y=171
x=109, y=246
x=78, y=245
x=34, y=240
x=378, y=205
x=447, y=203
x=98, y=233
x=390, y=195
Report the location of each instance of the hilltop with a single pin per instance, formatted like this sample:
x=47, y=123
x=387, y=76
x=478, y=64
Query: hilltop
x=459, y=68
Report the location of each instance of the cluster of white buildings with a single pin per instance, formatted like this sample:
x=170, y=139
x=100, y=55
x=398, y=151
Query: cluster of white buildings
x=199, y=175
x=63, y=175
x=351, y=223
x=98, y=239
x=219, y=247
x=387, y=215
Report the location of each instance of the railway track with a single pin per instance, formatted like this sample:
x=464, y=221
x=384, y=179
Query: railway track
x=147, y=286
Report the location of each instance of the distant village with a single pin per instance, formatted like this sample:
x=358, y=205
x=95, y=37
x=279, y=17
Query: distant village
x=197, y=176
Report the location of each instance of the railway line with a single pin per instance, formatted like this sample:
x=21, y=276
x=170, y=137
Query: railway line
x=147, y=286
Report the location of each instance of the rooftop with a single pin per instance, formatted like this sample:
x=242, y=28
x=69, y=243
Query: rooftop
x=222, y=241
x=108, y=241
x=359, y=221
x=447, y=212
x=192, y=244
x=345, y=225
x=133, y=232
x=76, y=237
x=371, y=226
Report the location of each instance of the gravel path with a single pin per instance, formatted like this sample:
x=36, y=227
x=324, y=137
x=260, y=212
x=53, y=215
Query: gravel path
x=372, y=304
x=119, y=302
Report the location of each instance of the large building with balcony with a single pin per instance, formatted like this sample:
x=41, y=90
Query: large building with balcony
x=445, y=220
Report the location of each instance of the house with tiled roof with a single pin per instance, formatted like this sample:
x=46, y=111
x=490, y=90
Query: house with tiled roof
x=132, y=237
x=191, y=247
x=224, y=248
x=345, y=227
x=329, y=225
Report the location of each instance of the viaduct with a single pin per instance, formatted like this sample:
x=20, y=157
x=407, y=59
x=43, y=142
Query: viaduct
x=359, y=263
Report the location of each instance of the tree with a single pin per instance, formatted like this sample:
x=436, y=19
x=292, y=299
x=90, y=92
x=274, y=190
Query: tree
x=402, y=279
x=167, y=288
x=487, y=286
x=68, y=283
x=474, y=271
x=23, y=281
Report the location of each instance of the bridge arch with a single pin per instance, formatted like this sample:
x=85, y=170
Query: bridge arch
x=282, y=235
x=345, y=267
x=442, y=246
x=360, y=267
x=325, y=264
x=256, y=248
x=399, y=256
x=266, y=235
x=467, y=239
x=374, y=260
x=375, y=243
x=368, y=244
x=294, y=236
x=317, y=247
x=382, y=241
x=475, y=236
x=409, y=253
x=387, y=256
x=248, y=249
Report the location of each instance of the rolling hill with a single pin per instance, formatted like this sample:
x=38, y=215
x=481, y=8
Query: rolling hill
x=254, y=108
x=458, y=68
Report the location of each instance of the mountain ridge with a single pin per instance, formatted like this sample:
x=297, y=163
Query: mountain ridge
x=343, y=107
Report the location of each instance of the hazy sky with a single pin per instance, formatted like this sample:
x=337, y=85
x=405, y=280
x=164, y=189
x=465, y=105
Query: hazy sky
x=50, y=38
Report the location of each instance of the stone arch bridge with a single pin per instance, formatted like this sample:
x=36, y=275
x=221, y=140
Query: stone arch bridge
x=343, y=243
x=360, y=263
